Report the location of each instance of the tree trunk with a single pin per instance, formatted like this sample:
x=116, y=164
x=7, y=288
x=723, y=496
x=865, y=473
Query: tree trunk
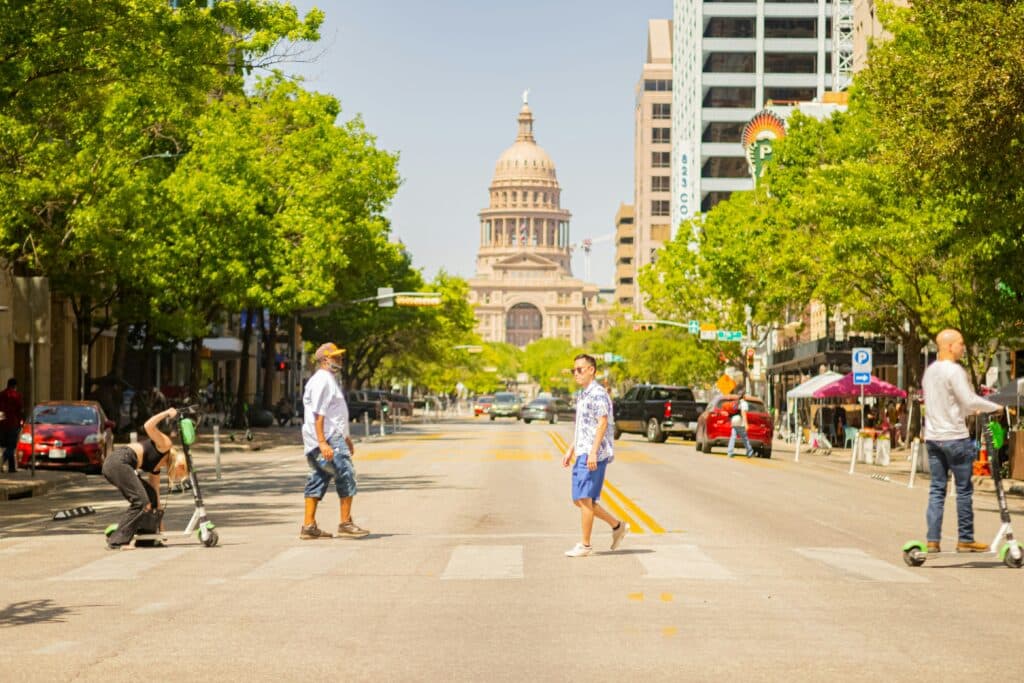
x=269, y=362
x=195, y=367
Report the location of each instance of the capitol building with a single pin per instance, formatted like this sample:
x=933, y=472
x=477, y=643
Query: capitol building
x=524, y=289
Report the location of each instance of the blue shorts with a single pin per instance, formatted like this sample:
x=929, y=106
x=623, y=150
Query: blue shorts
x=339, y=469
x=587, y=484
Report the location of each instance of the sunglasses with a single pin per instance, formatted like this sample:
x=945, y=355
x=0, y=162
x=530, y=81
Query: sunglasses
x=579, y=370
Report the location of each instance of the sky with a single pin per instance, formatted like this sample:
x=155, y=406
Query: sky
x=441, y=84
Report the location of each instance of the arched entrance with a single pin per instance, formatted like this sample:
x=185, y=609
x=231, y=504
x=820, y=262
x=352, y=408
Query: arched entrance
x=523, y=324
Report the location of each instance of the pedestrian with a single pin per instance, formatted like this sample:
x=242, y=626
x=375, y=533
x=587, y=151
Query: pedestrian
x=592, y=447
x=328, y=446
x=13, y=408
x=147, y=456
x=948, y=399
x=739, y=426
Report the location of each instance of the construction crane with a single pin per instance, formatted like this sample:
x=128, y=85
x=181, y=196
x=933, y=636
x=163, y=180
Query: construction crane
x=587, y=244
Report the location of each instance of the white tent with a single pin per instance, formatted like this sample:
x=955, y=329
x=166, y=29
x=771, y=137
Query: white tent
x=806, y=390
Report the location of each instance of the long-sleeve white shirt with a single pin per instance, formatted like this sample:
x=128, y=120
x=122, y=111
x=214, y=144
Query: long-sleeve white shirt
x=948, y=399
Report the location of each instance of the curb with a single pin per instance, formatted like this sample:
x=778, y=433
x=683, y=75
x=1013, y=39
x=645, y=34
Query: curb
x=13, y=489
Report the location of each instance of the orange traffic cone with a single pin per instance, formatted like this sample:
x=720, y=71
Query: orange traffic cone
x=982, y=467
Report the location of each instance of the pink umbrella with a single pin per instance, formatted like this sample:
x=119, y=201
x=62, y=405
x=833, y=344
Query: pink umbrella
x=845, y=388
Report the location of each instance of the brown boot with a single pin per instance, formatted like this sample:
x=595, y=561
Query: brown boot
x=933, y=547
x=971, y=547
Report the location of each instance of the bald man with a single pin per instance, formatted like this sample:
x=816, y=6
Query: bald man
x=948, y=400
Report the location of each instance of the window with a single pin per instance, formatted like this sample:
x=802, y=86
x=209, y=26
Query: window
x=790, y=63
x=725, y=167
x=712, y=199
x=659, y=233
x=729, y=97
x=660, y=207
x=625, y=280
x=729, y=63
x=657, y=85
x=776, y=27
x=790, y=94
x=625, y=240
x=626, y=261
x=661, y=183
x=723, y=27
x=661, y=110
x=722, y=131
x=661, y=159
x=659, y=135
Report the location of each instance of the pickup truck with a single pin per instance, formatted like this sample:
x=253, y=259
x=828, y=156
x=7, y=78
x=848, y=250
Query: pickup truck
x=657, y=411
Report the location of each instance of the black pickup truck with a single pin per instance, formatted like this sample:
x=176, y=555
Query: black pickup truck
x=657, y=411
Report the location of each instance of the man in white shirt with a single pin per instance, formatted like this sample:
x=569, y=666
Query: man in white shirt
x=948, y=399
x=328, y=446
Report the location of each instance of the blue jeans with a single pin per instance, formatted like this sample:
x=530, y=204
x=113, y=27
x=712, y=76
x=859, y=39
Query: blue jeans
x=956, y=455
x=339, y=469
x=742, y=432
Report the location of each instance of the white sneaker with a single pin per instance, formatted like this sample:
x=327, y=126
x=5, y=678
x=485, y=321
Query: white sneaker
x=579, y=550
x=619, y=534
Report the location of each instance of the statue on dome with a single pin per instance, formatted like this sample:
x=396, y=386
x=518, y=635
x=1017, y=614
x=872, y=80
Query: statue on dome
x=526, y=95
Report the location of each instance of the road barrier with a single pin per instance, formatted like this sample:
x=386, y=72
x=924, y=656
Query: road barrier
x=74, y=512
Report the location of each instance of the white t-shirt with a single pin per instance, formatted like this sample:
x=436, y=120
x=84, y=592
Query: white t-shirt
x=324, y=397
x=948, y=400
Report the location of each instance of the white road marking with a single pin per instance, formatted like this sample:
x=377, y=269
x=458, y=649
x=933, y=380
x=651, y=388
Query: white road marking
x=303, y=563
x=56, y=647
x=469, y=562
x=122, y=564
x=859, y=564
x=682, y=562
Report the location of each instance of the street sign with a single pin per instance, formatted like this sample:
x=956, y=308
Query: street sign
x=407, y=300
x=694, y=327
x=385, y=298
x=861, y=365
x=707, y=335
x=730, y=335
x=608, y=356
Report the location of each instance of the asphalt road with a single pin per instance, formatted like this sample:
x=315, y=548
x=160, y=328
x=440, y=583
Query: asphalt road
x=735, y=569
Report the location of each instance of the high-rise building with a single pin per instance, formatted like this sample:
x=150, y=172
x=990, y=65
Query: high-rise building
x=867, y=29
x=731, y=59
x=524, y=288
x=652, y=155
x=625, y=254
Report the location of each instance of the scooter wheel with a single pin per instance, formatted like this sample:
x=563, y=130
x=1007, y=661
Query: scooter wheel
x=211, y=539
x=913, y=557
x=1009, y=560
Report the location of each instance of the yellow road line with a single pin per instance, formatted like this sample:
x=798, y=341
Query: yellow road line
x=633, y=507
x=621, y=514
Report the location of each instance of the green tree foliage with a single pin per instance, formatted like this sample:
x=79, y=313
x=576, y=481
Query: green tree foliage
x=549, y=362
x=665, y=354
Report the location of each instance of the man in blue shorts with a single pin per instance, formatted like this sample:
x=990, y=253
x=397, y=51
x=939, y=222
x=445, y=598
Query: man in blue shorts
x=592, y=441
x=328, y=446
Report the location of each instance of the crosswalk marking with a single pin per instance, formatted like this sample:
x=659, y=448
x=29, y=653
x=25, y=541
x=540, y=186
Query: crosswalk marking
x=682, y=562
x=122, y=565
x=485, y=562
x=861, y=565
x=302, y=563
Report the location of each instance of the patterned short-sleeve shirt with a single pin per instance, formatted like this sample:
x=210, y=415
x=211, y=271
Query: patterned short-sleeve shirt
x=592, y=403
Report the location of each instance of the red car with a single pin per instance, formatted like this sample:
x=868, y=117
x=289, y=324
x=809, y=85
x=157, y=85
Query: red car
x=714, y=426
x=482, y=405
x=68, y=434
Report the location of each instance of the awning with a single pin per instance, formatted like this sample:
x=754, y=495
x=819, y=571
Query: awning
x=807, y=389
x=231, y=346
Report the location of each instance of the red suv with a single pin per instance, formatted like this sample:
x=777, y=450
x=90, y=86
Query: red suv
x=714, y=425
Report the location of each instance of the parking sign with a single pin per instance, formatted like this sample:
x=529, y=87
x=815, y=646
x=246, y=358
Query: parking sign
x=861, y=358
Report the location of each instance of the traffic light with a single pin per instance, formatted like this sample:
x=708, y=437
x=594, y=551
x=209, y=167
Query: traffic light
x=750, y=358
x=282, y=365
x=643, y=327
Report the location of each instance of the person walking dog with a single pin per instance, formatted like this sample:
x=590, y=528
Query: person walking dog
x=948, y=399
x=592, y=446
x=328, y=446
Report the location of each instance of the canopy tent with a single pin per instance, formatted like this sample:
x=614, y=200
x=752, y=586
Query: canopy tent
x=1010, y=396
x=807, y=389
x=845, y=388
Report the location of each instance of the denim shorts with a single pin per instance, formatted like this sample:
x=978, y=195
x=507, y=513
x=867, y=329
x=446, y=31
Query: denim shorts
x=340, y=469
x=587, y=484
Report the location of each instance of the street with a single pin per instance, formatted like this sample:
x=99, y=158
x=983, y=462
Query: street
x=747, y=569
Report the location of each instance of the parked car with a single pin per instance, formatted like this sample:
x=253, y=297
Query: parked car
x=714, y=425
x=549, y=409
x=506, y=404
x=657, y=410
x=359, y=404
x=400, y=404
x=68, y=434
x=481, y=405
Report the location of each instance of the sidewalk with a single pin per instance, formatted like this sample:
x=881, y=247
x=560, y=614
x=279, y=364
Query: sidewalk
x=21, y=484
x=898, y=468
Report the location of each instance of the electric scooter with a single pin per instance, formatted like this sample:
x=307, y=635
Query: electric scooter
x=1012, y=555
x=149, y=534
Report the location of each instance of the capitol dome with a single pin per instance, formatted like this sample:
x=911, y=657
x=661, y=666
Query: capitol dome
x=525, y=162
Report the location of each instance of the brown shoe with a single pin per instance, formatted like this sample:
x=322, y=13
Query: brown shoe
x=971, y=547
x=312, y=532
x=933, y=547
x=351, y=530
